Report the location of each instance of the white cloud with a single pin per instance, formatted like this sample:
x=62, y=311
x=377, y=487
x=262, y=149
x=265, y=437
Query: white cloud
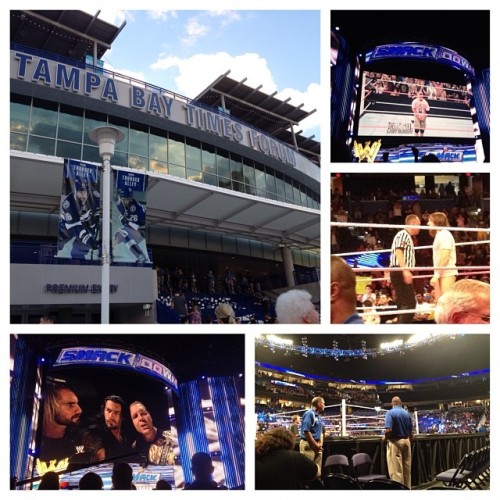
x=162, y=15
x=195, y=73
x=198, y=71
x=228, y=16
x=194, y=30
x=311, y=99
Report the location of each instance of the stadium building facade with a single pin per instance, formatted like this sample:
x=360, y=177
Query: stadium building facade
x=229, y=182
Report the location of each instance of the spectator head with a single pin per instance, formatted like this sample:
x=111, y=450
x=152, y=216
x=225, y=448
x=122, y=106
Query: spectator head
x=296, y=307
x=90, y=481
x=342, y=290
x=225, y=313
x=122, y=476
x=295, y=419
x=163, y=484
x=318, y=403
x=467, y=301
x=202, y=467
x=278, y=438
x=50, y=481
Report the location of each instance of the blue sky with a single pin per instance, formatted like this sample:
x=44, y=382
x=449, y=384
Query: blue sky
x=187, y=50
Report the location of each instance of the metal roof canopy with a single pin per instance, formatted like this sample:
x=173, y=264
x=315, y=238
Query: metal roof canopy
x=176, y=202
x=264, y=111
x=68, y=33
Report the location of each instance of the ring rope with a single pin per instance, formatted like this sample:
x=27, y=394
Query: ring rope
x=425, y=247
x=420, y=276
x=437, y=268
x=404, y=226
x=398, y=312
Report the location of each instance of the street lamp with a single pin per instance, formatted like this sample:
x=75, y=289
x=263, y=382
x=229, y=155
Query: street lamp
x=106, y=138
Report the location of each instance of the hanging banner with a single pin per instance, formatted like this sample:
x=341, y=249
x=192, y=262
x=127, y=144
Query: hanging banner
x=129, y=218
x=79, y=216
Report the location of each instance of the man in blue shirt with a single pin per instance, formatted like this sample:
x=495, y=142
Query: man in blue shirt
x=399, y=437
x=311, y=432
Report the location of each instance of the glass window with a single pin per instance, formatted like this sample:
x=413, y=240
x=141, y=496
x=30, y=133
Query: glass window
x=121, y=124
x=280, y=188
x=69, y=150
x=137, y=162
x=177, y=170
x=208, y=162
x=70, y=124
x=20, y=108
x=158, y=145
x=92, y=120
x=138, y=140
x=41, y=145
x=289, y=190
x=44, y=119
x=120, y=159
x=260, y=179
x=193, y=155
x=296, y=193
x=176, y=151
x=249, y=173
x=270, y=185
x=158, y=167
x=18, y=142
x=223, y=164
x=91, y=153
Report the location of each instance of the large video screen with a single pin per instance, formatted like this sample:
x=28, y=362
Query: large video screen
x=103, y=405
x=402, y=106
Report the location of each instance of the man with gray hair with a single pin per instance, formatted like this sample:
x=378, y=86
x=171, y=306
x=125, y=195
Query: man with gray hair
x=467, y=301
x=296, y=307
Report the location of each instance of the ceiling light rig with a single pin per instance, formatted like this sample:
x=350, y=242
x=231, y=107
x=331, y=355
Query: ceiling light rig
x=276, y=343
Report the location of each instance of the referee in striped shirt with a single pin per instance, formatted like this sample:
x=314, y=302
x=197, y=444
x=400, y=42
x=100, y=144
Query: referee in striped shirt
x=403, y=255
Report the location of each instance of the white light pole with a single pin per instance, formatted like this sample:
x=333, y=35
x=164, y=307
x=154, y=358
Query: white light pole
x=106, y=138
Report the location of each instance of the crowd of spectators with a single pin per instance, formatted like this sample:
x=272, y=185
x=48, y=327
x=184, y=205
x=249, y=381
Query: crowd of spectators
x=454, y=421
x=382, y=83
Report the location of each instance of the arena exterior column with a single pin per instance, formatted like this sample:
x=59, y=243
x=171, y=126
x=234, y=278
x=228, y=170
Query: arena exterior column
x=106, y=138
x=286, y=255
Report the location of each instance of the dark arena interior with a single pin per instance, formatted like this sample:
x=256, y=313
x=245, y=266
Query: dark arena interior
x=368, y=211
x=184, y=382
x=443, y=381
x=379, y=62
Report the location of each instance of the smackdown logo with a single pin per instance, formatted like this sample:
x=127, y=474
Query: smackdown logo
x=422, y=52
x=117, y=358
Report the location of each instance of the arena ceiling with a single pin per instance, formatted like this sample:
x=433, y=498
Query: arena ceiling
x=188, y=356
x=465, y=31
x=450, y=356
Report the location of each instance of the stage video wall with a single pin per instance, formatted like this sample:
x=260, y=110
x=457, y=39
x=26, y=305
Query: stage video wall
x=390, y=104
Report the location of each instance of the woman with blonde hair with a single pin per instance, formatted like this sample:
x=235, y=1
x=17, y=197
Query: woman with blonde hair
x=225, y=313
x=444, y=254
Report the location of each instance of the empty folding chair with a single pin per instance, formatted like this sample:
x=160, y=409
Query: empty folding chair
x=362, y=468
x=336, y=463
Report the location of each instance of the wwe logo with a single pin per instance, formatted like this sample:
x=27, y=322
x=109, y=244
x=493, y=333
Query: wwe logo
x=368, y=152
x=80, y=449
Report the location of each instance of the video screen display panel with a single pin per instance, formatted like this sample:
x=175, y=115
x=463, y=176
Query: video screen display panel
x=102, y=405
x=405, y=106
